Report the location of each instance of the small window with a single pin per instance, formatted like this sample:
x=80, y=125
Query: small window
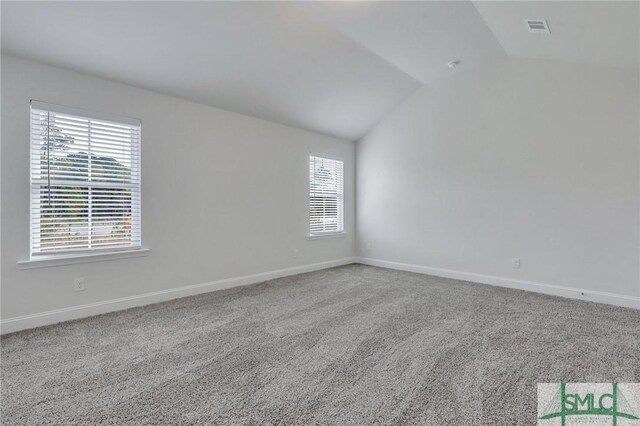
x=85, y=182
x=326, y=196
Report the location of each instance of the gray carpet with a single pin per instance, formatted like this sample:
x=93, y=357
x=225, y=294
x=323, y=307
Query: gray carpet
x=349, y=345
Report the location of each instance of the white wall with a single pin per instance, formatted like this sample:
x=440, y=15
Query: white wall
x=224, y=195
x=527, y=158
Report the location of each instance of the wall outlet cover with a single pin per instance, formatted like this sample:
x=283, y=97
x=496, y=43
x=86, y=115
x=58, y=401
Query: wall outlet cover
x=78, y=284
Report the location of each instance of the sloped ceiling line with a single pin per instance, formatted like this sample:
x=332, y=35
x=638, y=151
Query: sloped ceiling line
x=331, y=67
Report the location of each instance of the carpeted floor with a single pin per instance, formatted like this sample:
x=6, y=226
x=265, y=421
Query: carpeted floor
x=349, y=345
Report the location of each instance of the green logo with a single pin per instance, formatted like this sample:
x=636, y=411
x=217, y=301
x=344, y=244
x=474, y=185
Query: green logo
x=604, y=403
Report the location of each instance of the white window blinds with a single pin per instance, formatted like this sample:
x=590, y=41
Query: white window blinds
x=85, y=182
x=326, y=196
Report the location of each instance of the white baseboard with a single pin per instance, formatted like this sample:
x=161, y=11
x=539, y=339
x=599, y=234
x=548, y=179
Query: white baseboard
x=554, y=290
x=10, y=325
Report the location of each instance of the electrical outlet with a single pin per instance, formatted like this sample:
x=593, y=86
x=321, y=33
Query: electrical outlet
x=295, y=253
x=368, y=246
x=78, y=284
x=515, y=263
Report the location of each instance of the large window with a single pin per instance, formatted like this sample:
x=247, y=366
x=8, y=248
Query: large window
x=326, y=196
x=85, y=182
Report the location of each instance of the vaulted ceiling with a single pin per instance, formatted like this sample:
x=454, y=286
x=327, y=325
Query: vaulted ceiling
x=331, y=67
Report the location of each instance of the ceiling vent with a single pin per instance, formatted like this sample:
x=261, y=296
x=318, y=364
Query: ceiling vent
x=538, y=26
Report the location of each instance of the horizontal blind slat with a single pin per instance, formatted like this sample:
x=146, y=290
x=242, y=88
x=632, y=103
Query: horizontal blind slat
x=85, y=182
x=326, y=188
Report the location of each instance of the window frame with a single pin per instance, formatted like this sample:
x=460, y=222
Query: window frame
x=40, y=259
x=327, y=234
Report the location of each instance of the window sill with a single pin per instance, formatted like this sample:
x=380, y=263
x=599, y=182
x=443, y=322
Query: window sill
x=327, y=235
x=50, y=261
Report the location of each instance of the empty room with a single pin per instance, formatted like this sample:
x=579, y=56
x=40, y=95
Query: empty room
x=320, y=213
